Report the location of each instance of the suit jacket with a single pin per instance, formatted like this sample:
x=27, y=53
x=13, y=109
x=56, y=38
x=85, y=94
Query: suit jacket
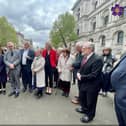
x=15, y=59
x=31, y=54
x=118, y=75
x=118, y=81
x=53, y=57
x=91, y=74
x=3, y=75
x=77, y=63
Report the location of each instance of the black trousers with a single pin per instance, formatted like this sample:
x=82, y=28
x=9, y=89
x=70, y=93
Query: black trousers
x=88, y=101
x=49, y=77
x=56, y=76
x=2, y=85
x=105, y=82
x=65, y=86
x=79, y=87
x=26, y=77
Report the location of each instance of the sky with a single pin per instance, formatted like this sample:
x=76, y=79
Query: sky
x=34, y=18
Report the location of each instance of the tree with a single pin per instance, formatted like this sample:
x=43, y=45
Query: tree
x=63, y=30
x=7, y=32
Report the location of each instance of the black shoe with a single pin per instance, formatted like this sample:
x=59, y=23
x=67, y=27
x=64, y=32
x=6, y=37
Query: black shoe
x=79, y=110
x=36, y=93
x=66, y=95
x=16, y=95
x=63, y=94
x=30, y=90
x=24, y=90
x=86, y=119
x=0, y=92
x=4, y=92
x=39, y=96
x=11, y=94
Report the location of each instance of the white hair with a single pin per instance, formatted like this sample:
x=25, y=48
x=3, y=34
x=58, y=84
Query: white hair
x=90, y=45
x=79, y=43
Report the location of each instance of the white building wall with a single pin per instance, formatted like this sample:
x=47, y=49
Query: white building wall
x=114, y=25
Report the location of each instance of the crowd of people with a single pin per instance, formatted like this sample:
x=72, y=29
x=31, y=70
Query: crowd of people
x=44, y=69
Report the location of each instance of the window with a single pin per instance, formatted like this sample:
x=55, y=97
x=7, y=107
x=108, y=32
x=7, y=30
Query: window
x=106, y=20
x=103, y=41
x=91, y=40
x=94, y=26
x=120, y=37
x=78, y=31
x=124, y=13
x=121, y=16
x=78, y=14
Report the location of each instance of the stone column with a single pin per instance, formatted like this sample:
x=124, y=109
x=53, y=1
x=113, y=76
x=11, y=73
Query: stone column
x=110, y=14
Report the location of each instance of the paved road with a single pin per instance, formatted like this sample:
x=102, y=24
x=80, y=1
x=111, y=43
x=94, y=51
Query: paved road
x=50, y=110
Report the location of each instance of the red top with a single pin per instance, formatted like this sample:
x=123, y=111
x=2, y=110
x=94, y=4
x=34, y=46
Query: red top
x=53, y=56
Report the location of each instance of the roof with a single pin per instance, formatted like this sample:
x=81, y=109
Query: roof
x=76, y=3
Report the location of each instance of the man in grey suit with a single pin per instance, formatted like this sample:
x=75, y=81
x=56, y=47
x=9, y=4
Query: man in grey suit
x=12, y=60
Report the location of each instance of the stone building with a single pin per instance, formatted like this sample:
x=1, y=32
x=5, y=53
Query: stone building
x=95, y=22
x=21, y=39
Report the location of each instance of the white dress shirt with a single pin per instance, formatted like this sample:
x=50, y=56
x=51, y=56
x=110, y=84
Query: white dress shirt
x=88, y=57
x=24, y=58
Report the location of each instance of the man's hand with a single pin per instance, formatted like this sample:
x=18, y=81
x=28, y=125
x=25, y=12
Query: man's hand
x=78, y=76
x=11, y=66
x=71, y=68
x=59, y=71
x=28, y=57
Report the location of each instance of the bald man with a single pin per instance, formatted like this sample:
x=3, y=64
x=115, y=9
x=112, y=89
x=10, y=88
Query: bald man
x=89, y=76
x=12, y=60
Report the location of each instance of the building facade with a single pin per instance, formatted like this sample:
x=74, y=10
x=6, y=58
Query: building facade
x=96, y=23
x=21, y=39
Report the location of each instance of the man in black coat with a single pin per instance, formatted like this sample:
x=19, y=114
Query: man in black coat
x=118, y=81
x=89, y=76
x=76, y=66
x=27, y=56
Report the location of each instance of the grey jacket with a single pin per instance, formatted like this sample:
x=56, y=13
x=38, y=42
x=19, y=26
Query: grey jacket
x=15, y=59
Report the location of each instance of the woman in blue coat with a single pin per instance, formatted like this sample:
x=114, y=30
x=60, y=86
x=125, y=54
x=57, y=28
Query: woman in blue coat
x=3, y=75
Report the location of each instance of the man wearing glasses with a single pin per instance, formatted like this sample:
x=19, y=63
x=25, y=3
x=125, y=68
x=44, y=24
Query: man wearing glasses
x=12, y=60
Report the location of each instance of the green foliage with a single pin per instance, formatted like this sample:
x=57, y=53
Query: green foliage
x=7, y=32
x=63, y=30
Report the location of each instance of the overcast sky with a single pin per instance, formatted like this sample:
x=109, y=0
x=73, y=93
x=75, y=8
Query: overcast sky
x=34, y=18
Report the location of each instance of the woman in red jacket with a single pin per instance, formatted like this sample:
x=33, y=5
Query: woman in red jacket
x=50, y=64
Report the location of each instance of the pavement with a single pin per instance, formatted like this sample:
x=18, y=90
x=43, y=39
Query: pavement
x=54, y=109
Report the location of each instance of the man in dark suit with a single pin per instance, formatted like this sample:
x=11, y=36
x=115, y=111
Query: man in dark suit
x=89, y=76
x=27, y=56
x=118, y=81
x=76, y=66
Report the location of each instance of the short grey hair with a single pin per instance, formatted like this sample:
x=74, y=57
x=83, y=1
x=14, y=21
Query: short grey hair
x=79, y=43
x=89, y=45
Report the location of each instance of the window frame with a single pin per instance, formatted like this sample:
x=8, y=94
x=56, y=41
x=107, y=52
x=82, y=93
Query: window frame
x=120, y=37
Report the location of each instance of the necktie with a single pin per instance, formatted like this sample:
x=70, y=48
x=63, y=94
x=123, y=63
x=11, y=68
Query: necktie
x=12, y=53
x=84, y=61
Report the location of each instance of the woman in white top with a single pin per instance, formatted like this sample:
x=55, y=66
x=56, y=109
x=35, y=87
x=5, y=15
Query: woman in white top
x=38, y=69
x=65, y=71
